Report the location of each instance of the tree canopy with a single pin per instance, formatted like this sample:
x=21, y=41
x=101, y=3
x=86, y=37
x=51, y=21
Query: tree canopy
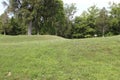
x=55, y=18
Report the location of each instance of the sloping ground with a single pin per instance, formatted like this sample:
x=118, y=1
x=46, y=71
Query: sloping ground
x=54, y=58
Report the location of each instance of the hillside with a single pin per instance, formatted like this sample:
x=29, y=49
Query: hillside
x=54, y=58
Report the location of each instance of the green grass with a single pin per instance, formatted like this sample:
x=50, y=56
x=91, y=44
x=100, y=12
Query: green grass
x=54, y=58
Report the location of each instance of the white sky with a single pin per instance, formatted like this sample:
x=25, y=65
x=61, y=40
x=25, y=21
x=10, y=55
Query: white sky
x=85, y=4
x=1, y=7
x=80, y=4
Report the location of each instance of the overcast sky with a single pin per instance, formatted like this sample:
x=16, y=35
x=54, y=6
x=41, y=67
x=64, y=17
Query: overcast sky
x=85, y=4
x=80, y=4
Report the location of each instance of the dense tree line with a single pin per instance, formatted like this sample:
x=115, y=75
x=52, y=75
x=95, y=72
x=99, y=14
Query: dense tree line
x=53, y=17
x=98, y=22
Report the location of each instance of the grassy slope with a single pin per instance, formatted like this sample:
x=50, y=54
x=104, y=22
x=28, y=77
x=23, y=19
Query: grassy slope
x=54, y=58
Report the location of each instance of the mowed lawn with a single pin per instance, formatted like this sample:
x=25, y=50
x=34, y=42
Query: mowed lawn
x=54, y=58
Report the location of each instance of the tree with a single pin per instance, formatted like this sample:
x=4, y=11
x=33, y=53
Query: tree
x=52, y=16
x=21, y=9
x=102, y=21
x=70, y=10
x=15, y=27
x=80, y=26
x=4, y=20
x=85, y=24
x=93, y=12
x=115, y=19
x=40, y=15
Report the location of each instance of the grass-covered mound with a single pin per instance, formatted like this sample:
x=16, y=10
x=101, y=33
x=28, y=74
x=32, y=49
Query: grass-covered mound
x=54, y=58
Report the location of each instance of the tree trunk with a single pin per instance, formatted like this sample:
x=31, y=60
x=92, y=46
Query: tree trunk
x=56, y=33
x=4, y=32
x=30, y=28
x=103, y=32
x=38, y=32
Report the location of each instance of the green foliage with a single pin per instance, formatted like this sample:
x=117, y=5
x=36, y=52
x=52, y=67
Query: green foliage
x=54, y=18
x=115, y=18
x=102, y=22
x=85, y=24
x=55, y=58
x=4, y=21
x=38, y=15
x=80, y=26
x=69, y=10
x=15, y=27
x=93, y=13
x=97, y=21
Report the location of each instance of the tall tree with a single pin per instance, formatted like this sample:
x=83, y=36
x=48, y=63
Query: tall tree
x=52, y=15
x=70, y=10
x=85, y=24
x=91, y=19
x=37, y=14
x=16, y=29
x=80, y=26
x=102, y=21
x=4, y=23
x=115, y=18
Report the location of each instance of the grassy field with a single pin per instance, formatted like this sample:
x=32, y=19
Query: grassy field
x=54, y=58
